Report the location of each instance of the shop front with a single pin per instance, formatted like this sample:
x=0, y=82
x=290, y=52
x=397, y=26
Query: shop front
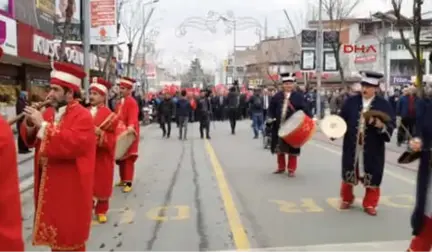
x=37, y=50
x=9, y=66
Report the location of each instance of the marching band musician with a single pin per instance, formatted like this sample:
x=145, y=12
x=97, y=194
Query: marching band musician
x=363, y=154
x=105, y=125
x=65, y=141
x=421, y=218
x=282, y=105
x=10, y=204
x=127, y=111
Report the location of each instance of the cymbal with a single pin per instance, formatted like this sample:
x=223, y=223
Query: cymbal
x=376, y=113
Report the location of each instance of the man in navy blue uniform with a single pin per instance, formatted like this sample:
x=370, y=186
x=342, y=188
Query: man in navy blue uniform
x=363, y=154
x=282, y=106
x=421, y=219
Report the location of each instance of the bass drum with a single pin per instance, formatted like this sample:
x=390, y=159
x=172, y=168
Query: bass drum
x=297, y=130
x=124, y=141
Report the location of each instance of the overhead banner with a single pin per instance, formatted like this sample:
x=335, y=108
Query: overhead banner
x=74, y=33
x=103, y=28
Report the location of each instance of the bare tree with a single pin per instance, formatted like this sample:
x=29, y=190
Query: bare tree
x=132, y=26
x=69, y=11
x=416, y=24
x=338, y=11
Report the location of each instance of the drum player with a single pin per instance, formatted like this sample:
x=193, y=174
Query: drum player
x=282, y=106
x=127, y=110
x=363, y=150
x=105, y=124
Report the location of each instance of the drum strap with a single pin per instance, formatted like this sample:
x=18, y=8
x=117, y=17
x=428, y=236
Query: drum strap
x=286, y=105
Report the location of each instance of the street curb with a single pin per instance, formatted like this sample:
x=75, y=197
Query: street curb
x=387, y=161
x=27, y=183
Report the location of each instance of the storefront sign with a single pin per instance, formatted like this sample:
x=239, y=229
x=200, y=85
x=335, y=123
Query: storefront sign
x=40, y=47
x=9, y=44
x=51, y=49
x=400, y=80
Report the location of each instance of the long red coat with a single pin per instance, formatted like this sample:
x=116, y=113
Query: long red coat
x=64, y=172
x=10, y=202
x=127, y=111
x=104, y=167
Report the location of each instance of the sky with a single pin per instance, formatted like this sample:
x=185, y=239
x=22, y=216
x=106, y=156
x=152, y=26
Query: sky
x=176, y=51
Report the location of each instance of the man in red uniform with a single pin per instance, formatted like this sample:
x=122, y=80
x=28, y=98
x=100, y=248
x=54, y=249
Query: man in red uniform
x=65, y=141
x=10, y=204
x=105, y=125
x=127, y=111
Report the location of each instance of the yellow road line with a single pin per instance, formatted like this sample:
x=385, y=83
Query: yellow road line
x=239, y=234
x=386, y=171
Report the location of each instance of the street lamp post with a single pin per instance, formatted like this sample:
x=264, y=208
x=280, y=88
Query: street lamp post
x=319, y=60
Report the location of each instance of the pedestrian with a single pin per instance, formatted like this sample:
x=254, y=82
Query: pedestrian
x=204, y=114
x=363, y=150
x=233, y=104
x=105, y=122
x=11, y=238
x=65, y=141
x=256, y=108
x=166, y=111
x=127, y=112
x=421, y=218
x=282, y=106
x=183, y=111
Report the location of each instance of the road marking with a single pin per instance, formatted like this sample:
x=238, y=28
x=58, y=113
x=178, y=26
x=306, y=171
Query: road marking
x=309, y=205
x=127, y=217
x=183, y=213
x=393, y=174
x=238, y=231
x=378, y=246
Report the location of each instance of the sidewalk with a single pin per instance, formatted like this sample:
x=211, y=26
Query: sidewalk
x=392, y=153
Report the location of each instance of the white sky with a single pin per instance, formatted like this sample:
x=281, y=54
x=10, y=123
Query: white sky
x=174, y=51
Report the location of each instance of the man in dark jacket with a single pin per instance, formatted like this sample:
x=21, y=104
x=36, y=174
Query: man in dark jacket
x=256, y=108
x=420, y=145
x=166, y=111
x=233, y=102
x=204, y=110
x=183, y=111
x=20, y=105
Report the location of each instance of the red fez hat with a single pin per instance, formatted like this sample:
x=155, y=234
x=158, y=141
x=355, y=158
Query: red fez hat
x=127, y=82
x=67, y=75
x=100, y=85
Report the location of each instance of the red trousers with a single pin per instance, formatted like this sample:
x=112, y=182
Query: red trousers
x=101, y=206
x=282, y=162
x=83, y=248
x=370, y=199
x=127, y=169
x=423, y=241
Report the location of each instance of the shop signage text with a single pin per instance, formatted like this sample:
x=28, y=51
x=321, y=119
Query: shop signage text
x=51, y=49
x=365, y=49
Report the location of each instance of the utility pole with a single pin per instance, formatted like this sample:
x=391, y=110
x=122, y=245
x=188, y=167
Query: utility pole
x=318, y=60
x=234, y=49
x=86, y=46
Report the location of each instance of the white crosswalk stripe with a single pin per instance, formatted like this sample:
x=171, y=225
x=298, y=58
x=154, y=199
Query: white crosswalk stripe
x=386, y=246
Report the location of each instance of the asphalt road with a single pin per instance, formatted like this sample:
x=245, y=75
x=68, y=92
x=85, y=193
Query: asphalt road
x=221, y=195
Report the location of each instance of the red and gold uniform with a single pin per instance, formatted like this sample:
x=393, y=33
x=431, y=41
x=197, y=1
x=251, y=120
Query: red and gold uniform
x=127, y=112
x=10, y=204
x=63, y=168
x=105, y=123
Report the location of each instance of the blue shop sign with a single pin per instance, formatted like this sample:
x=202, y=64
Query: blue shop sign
x=400, y=80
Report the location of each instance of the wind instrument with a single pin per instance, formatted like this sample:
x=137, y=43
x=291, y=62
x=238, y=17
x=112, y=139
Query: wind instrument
x=21, y=115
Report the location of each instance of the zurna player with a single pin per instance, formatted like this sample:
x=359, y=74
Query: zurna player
x=282, y=106
x=363, y=150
